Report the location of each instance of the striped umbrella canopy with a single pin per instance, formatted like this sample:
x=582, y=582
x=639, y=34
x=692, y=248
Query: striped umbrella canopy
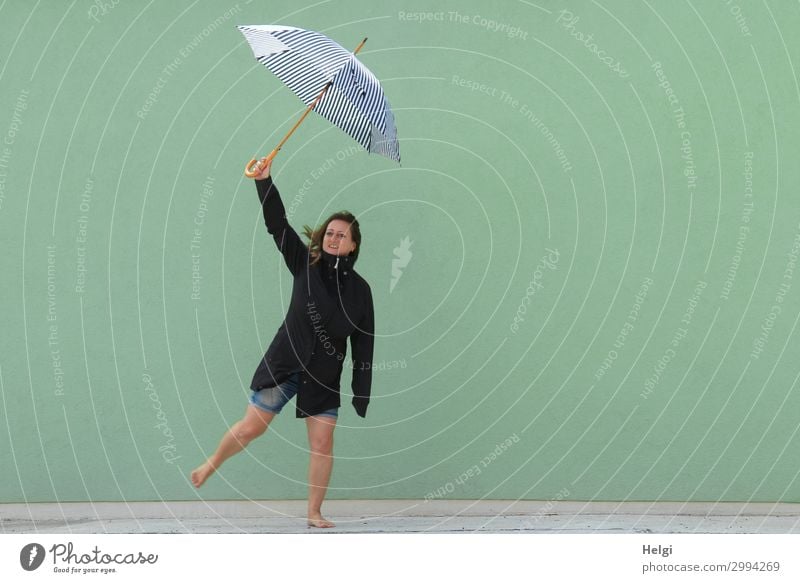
x=311, y=64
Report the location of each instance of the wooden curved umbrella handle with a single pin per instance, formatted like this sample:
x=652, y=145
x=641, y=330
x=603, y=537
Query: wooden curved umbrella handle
x=252, y=170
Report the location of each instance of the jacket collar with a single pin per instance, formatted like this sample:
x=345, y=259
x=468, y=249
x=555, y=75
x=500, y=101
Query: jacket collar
x=343, y=264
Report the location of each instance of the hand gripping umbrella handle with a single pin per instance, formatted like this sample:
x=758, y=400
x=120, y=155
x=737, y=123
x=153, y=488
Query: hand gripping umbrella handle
x=250, y=170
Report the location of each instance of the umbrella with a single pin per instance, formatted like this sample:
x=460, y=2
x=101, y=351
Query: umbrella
x=328, y=79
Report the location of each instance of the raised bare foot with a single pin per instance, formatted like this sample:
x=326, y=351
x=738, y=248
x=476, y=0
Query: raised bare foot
x=317, y=521
x=201, y=474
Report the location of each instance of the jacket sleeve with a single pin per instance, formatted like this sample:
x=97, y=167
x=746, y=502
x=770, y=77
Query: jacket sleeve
x=294, y=251
x=362, y=344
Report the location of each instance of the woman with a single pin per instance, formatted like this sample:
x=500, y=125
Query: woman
x=330, y=302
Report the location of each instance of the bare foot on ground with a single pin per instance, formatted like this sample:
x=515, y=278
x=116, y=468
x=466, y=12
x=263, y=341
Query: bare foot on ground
x=317, y=521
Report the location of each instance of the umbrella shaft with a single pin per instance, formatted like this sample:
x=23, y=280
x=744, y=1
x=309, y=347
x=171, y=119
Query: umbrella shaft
x=302, y=117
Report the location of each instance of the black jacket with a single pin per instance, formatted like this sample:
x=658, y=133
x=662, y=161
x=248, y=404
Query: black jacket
x=329, y=302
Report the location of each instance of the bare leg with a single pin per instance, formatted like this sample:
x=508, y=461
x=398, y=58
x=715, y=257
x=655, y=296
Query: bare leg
x=320, y=441
x=254, y=423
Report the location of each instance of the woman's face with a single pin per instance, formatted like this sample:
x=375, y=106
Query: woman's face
x=337, y=239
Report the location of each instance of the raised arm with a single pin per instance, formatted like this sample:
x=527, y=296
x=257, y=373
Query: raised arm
x=362, y=342
x=294, y=251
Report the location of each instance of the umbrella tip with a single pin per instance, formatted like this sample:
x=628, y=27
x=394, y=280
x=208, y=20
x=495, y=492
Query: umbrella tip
x=358, y=48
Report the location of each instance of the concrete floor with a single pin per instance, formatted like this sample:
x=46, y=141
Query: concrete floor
x=402, y=516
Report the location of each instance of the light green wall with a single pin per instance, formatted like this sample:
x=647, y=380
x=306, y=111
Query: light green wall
x=516, y=138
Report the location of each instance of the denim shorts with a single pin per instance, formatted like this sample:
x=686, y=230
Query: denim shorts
x=273, y=399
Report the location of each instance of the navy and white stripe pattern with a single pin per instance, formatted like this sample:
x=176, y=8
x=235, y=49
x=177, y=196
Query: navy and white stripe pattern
x=306, y=61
